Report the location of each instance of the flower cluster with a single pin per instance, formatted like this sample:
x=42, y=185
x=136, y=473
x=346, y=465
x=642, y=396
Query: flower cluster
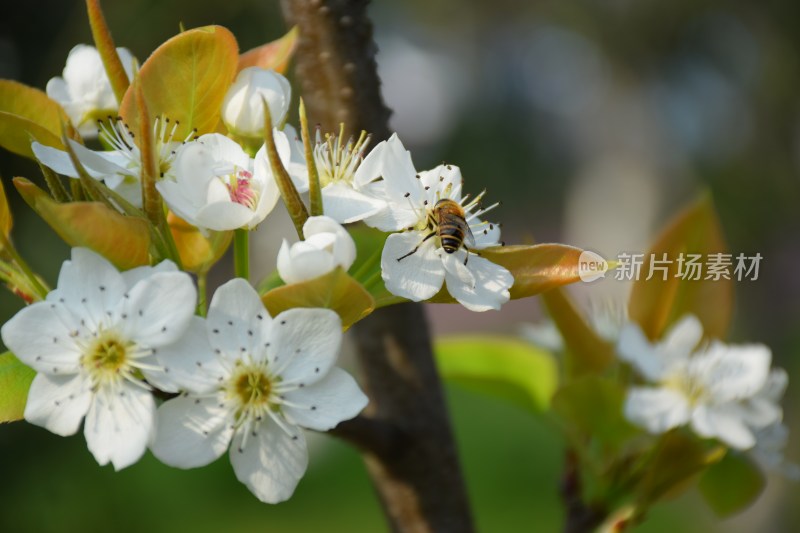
x=102, y=341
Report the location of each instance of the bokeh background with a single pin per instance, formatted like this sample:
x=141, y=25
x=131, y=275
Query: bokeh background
x=592, y=120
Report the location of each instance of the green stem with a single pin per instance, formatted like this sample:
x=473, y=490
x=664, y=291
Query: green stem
x=241, y=253
x=201, y=293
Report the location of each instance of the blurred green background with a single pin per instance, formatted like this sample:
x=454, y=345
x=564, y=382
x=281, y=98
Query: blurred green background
x=592, y=120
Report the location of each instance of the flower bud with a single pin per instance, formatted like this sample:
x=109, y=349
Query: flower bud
x=327, y=246
x=243, y=109
x=85, y=92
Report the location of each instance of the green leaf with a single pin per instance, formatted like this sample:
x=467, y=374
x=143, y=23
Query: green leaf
x=335, y=290
x=677, y=459
x=274, y=55
x=503, y=367
x=123, y=240
x=536, y=268
x=15, y=380
x=731, y=484
x=186, y=79
x=367, y=267
x=656, y=303
x=592, y=407
x=587, y=352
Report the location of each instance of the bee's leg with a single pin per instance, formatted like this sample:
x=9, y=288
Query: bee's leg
x=428, y=236
x=466, y=258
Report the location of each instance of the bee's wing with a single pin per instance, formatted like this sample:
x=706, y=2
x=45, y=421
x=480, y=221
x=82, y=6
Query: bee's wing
x=469, y=238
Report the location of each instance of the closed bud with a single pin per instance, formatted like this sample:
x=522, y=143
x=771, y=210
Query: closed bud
x=243, y=108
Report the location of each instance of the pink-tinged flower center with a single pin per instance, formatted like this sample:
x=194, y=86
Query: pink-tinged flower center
x=241, y=190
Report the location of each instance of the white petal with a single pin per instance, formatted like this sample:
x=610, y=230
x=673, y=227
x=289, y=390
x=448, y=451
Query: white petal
x=485, y=233
x=189, y=364
x=724, y=423
x=759, y=412
x=119, y=425
x=656, y=409
x=634, y=348
x=56, y=160
x=345, y=205
x=271, y=463
x=735, y=372
x=157, y=310
x=491, y=285
x=371, y=168
x=681, y=339
x=324, y=404
x=58, y=403
x=396, y=216
x=98, y=164
x=416, y=277
x=40, y=336
x=237, y=321
x=192, y=432
x=135, y=275
x=305, y=343
x=224, y=216
x=89, y=284
x=399, y=174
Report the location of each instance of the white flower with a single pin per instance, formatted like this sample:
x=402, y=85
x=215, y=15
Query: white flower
x=722, y=391
x=350, y=182
x=218, y=187
x=91, y=340
x=414, y=264
x=243, y=107
x=85, y=92
x=121, y=167
x=326, y=246
x=605, y=319
x=252, y=382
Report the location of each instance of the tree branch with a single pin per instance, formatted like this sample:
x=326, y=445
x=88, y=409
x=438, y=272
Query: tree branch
x=406, y=436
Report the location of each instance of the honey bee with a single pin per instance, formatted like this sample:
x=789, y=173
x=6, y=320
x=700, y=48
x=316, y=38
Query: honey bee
x=448, y=222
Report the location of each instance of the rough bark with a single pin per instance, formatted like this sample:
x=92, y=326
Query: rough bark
x=405, y=435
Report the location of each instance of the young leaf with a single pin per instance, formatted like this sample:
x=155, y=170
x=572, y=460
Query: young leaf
x=198, y=252
x=367, y=267
x=731, y=484
x=123, y=240
x=27, y=113
x=675, y=463
x=5, y=213
x=274, y=55
x=586, y=350
x=15, y=380
x=335, y=290
x=504, y=367
x=185, y=80
x=657, y=303
x=108, y=52
x=536, y=268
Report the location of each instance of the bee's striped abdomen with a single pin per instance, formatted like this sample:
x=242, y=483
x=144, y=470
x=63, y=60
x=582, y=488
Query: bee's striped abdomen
x=452, y=237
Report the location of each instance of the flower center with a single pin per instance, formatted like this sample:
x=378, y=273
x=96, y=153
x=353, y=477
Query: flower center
x=107, y=358
x=252, y=389
x=688, y=385
x=241, y=189
x=337, y=161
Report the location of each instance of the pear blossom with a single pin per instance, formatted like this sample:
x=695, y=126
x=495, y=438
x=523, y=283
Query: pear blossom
x=326, y=246
x=722, y=391
x=92, y=341
x=121, y=167
x=351, y=184
x=84, y=91
x=251, y=385
x=243, y=106
x=414, y=265
x=217, y=186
